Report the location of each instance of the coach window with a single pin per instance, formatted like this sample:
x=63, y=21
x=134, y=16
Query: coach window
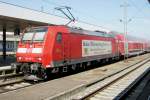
x=59, y=37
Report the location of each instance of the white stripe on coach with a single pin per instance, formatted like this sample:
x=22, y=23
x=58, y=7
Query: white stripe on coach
x=36, y=50
x=21, y=50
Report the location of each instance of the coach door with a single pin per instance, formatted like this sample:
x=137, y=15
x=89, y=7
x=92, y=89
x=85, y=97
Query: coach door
x=66, y=48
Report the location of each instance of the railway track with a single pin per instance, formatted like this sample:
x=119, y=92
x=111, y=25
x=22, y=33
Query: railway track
x=139, y=90
x=115, y=87
x=109, y=87
x=13, y=82
x=14, y=86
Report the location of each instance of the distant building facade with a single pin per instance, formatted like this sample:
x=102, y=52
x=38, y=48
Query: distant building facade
x=11, y=43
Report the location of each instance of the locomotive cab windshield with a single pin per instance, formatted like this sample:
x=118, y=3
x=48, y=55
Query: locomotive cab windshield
x=34, y=34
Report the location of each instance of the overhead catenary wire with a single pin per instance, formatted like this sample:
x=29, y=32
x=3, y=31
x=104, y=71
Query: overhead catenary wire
x=81, y=13
x=38, y=10
x=139, y=10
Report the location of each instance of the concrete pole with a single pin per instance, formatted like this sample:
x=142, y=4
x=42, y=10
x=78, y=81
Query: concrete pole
x=4, y=43
x=125, y=5
x=125, y=30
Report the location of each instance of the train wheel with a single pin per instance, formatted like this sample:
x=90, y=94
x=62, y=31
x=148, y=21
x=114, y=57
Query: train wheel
x=55, y=70
x=73, y=67
x=25, y=69
x=16, y=66
x=44, y=74
x=84, y=65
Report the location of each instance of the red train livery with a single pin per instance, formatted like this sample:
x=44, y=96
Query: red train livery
x=47, y=49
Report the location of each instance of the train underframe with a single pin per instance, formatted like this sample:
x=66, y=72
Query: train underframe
x=31, y=71
x=35, y=71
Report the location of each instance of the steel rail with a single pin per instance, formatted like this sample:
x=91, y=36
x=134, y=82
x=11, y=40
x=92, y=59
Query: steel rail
x=108, y=90
x=75, y=92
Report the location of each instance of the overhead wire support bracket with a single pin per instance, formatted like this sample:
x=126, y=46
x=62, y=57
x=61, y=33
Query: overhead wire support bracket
x=71, y=17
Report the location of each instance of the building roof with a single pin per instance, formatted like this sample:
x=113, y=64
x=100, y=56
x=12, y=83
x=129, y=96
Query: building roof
x=10, y=38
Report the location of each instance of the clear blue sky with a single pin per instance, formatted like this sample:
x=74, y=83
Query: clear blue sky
x=106, y=13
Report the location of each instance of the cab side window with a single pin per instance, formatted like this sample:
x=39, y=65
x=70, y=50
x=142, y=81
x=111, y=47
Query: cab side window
x=59, y=37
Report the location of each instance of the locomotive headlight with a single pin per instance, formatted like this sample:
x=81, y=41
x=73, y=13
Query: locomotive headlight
x=40, y=59
x=47, y=66
x=19, y=58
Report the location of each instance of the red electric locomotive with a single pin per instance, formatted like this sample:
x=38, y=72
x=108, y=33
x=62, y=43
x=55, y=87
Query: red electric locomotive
x=51, y=48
